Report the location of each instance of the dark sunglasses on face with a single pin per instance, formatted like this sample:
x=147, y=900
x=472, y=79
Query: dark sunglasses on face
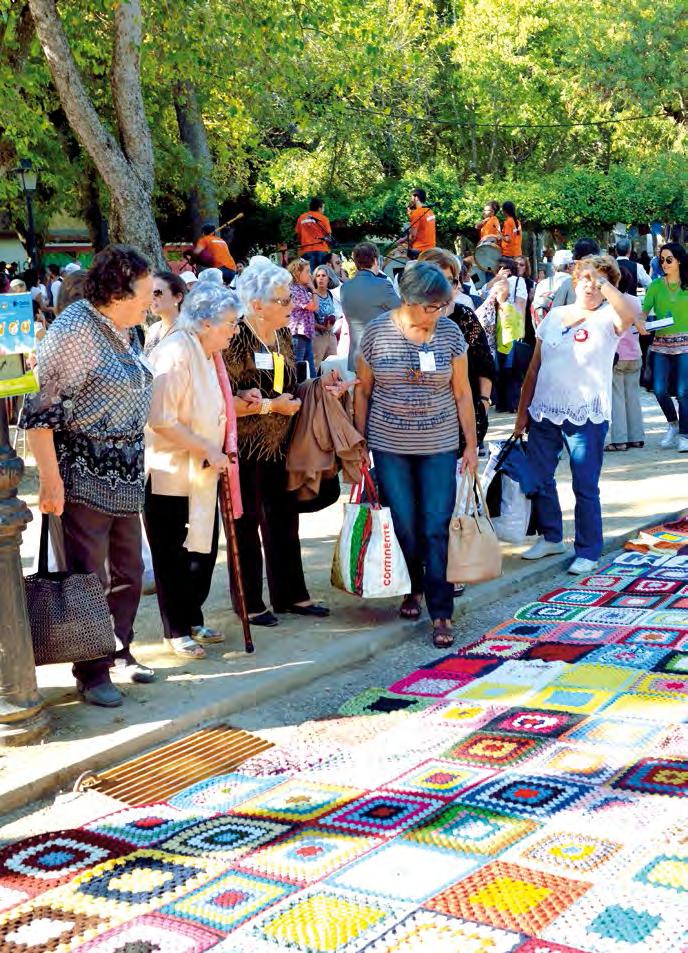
x=666, y=260
x=158, y=293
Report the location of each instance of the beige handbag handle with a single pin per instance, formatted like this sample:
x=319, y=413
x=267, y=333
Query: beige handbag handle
x=474, y=483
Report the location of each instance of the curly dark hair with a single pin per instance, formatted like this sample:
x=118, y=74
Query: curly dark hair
x=113, y=273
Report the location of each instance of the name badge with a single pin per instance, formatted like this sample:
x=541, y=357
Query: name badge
x=427, y=361
x=278, y=364
x=263, y=360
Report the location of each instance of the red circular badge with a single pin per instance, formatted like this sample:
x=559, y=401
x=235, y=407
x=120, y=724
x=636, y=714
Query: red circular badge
x=581, y=335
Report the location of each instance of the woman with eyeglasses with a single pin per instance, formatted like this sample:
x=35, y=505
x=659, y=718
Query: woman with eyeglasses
x=667, y=297
x=413, y=400
x=168, y=294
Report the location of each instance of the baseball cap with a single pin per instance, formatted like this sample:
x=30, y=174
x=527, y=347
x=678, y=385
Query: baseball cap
x=189, y=277
x=562, y=257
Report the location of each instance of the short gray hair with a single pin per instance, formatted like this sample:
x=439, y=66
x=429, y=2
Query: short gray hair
x=259, y=281
x=206, y=301
x=423, y=282
x=623, y=246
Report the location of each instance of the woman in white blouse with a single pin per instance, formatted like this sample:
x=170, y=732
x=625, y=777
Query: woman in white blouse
x=185, y=441
x=566, y=400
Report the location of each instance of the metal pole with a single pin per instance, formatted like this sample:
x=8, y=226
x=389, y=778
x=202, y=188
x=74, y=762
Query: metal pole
x=31, y=228
x=22, y=718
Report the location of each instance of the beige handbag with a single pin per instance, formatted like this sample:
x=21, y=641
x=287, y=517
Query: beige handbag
x=474, y=551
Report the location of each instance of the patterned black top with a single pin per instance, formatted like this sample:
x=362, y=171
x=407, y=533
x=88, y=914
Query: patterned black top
x=95, y=395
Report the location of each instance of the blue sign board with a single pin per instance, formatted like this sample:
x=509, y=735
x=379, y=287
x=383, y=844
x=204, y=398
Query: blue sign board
x=17, y=333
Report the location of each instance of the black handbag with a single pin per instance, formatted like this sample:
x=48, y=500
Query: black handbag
x=68, y=613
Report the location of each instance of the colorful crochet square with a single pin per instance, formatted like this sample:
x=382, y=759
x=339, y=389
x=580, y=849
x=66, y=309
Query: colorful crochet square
x=605, y=581
x=666, y=870
x=228, y=901
x=508, y=896
x=606, y=615
x=676, y=662
x=646, y=561
x=647, y=707
x=405, y=871
x=434, y=684
x=544, y=946
x=586, y=634
x=143, y=826
x=296, y=800
x=383, y=813
x=648, y=586
x=667, y=638
x=522, y=630
x=459, y=665
x=489, y=749
x=660, y=683
x=43, y=928
x=577, y=597
x=307, y=855
x=679, y=604
x=525, y=796
x=666, y=619
x=499, y=647
x=153, y=932
x=627, y=656
x=135, y=884
x=472, y=830
x=438, y=778
x=573, y=853
x=380, y=701
x=577, y=764
x=547, y=612
x=426, y=932
x=534, y=723
x=586, y=674
x=673, y=573
x=656, y=776
x=559, y=652
x=223, y=837
x=221, y=793
x=47, y=860
x=584, y=701
x=635, y=600
x=326, y=921
x=628, y=571
x=609, y=733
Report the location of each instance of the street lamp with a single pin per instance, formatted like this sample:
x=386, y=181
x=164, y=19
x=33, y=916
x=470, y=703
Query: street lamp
x=28, y=179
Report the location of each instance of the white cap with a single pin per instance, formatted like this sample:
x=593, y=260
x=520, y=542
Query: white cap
x=189, y=277
x=72, y=266
x=211, y=274
x=562, y=258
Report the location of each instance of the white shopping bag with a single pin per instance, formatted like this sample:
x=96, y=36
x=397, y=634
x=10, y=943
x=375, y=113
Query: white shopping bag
x=512, y=524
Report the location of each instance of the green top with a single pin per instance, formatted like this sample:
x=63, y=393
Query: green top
x=664, y=302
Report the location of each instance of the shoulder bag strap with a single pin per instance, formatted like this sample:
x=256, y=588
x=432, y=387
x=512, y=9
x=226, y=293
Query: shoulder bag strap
x=43, y=547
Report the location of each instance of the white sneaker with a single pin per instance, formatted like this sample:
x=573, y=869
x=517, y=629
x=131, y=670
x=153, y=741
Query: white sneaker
x=544, y=548
x=682, y=444
x=670, y=438
x=580, y=566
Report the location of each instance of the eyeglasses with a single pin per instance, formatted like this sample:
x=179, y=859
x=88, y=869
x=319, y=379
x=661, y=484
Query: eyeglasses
x=281, y=301
x=434, y=308
x=666, y=260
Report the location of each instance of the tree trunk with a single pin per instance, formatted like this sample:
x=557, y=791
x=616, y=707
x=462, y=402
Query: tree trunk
x=127, y=170
x=202, y=198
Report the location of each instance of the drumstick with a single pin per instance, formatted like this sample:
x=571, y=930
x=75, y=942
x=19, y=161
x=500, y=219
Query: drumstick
x=230, y=222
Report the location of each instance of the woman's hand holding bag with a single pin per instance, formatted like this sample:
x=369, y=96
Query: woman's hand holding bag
x=474, y=553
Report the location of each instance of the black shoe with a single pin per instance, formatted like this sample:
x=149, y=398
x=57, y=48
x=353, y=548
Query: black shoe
x=318, y=611
x=134, y=671
x=265, y=618
x=459, y=590
x=105, y=695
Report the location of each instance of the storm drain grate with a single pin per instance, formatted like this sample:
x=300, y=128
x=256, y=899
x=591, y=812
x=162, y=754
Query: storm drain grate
x=158, y=775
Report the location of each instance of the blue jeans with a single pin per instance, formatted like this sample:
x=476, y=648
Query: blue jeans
x=315, y=258
x=303, y=351
x=585, y=446
x=668, y=369
x=420, y=491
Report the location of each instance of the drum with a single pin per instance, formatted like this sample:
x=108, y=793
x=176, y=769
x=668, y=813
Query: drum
x=487, y=254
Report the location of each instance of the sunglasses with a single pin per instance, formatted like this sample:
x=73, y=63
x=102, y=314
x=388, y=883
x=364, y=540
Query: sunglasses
x=281, y=301
x=666, y=260
x=158, y=293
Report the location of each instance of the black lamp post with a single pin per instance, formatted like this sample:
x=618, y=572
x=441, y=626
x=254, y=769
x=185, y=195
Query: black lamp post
x=28, y=179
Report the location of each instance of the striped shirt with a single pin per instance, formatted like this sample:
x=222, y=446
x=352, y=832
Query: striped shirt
x=411, y=411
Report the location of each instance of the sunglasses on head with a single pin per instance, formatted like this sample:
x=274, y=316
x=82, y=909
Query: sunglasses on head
x=666, y=260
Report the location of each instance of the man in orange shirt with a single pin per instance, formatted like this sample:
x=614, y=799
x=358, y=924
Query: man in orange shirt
x=314, y=234
x=489, y=227
x=213, y=252
x=422, y=228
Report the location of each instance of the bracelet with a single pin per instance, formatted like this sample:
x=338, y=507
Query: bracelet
x=265, y=406
x=487, y=400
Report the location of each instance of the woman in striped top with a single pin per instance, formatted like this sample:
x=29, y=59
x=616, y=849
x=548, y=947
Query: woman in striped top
x=412, y=399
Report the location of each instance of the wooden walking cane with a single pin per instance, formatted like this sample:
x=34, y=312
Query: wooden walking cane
x=227, y=511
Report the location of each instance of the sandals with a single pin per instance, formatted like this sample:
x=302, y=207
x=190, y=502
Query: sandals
x=185, y=647
x=615, y=447
x=442, y=633
x=204, y=635
x=635, y=445
x=410, y=607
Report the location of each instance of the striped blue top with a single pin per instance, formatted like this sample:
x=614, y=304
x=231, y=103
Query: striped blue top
x=411, y=411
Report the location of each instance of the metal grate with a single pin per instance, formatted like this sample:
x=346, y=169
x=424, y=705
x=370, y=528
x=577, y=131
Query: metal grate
x=165, y=771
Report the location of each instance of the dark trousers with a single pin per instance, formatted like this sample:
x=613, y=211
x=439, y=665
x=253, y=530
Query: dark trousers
x=109, y=546
x=508, y=386
x=303, y=351
x=269, y=514
x=420, y=491
x=182, y=578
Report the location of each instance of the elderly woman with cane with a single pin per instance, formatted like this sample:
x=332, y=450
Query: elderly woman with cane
x=185, y=455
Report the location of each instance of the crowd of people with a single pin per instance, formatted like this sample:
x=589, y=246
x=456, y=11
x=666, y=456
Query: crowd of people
x=157, y=385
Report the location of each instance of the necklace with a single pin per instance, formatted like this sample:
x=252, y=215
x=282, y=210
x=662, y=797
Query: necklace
x=255, y=334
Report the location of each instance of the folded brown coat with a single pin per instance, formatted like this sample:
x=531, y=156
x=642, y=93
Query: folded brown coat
x=323, y=438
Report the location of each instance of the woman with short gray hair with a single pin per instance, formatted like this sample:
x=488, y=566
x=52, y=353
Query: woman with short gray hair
x=185, y=440
x=413, y=397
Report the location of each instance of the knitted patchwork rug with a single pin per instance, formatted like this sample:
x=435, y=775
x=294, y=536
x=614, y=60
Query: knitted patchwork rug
x=527, y=794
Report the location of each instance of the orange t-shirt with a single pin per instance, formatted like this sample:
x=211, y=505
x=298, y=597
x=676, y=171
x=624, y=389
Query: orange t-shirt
x=491, y=227
x=219, y=251
x=310, y=228
x=513, y=239
x=423, y=222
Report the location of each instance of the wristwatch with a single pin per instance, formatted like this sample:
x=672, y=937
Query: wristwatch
x=487, y=400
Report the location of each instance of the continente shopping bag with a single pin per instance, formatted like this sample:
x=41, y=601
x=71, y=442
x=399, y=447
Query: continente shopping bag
x=368, y=560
